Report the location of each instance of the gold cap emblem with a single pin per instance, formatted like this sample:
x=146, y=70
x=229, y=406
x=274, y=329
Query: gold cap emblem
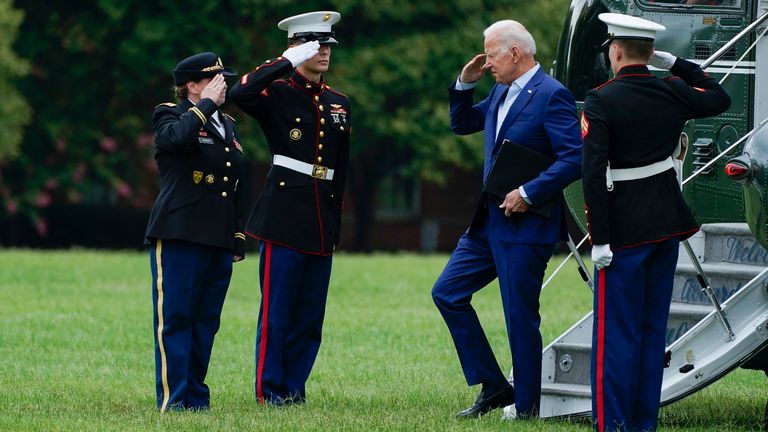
x=326, y=17
x=218, y=66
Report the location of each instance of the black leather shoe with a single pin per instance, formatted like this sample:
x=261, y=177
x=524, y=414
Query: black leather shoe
x=488, y=400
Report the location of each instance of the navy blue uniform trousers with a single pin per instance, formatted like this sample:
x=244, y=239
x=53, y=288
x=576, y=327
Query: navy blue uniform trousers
x=189, y=284
x=294, y=288
x=631, y=308
x=476, y=262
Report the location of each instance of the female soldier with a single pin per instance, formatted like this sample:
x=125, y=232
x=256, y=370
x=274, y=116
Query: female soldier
x=195, y=229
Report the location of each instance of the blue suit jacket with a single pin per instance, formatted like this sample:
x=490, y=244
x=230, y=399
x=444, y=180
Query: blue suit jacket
x=543, y=118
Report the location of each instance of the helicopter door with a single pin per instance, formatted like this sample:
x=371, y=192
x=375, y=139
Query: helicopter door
x=696, y=29
x=761, y=64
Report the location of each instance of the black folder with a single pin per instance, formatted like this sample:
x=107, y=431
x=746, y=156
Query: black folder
x=516, y=165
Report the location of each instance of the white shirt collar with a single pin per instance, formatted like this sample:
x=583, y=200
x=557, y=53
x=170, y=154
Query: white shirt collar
x=514, y=90
x=523, y=80
x=220, y=126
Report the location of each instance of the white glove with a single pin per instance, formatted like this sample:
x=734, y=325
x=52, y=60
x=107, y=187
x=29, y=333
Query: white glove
x=602, y=255
x=301, y=53
x=662, y=60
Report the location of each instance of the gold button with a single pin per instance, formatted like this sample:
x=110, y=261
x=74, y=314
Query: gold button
x=341, y=128
x=226, y=179
x=322, y=134
x=229, y=164
x=224, y=194
x=282, y=184
x=226, y=149
x=319, y=146
x=308, y=85
x=320, y=107
x=298, y=119
x=317, y=98
x=319, y=158
x=322, y=121
x=269, y=61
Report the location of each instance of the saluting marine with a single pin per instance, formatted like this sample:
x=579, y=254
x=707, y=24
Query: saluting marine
x=636, y=214
x=195, y=229
x=298, y=215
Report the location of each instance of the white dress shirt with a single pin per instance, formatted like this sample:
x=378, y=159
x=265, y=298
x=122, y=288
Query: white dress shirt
x=512, y=93
x=217, y=123
x=514, y=90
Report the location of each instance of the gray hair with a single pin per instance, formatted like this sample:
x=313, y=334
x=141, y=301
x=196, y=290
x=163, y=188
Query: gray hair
x=512, y=33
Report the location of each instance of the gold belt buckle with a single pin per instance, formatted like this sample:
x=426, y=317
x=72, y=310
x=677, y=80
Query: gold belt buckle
x=319, y=172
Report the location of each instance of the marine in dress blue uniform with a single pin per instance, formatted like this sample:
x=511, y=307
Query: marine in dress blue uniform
x=195, y=230
x=508, y=242
x=636, y=214
x=297, y=218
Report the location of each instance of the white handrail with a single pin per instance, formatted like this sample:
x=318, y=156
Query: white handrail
x=751, y=47
x=736, y=39
x=708, y=62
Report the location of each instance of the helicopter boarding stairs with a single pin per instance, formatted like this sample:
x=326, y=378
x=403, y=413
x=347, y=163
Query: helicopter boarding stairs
x=700, y=348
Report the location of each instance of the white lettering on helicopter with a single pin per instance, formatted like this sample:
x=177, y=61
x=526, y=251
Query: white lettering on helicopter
x=691, y=292
x=745, y=251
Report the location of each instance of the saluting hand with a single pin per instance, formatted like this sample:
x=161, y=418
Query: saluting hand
x=662, y=60
x=216, y=90
x=300, y=53
x=474, y=70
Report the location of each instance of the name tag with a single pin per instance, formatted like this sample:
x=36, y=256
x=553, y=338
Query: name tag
x=204, y=140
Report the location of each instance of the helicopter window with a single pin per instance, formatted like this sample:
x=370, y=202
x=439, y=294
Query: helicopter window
x=701, y=51
x=695, y=3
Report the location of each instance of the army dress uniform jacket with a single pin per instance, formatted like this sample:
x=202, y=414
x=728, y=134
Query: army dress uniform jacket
x=635, y=120
x=199, y=199
x=310, y=123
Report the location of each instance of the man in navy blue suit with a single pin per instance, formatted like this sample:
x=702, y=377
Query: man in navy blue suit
x=506, y=240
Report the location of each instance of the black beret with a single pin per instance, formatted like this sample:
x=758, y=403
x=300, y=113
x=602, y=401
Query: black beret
x=199, y=66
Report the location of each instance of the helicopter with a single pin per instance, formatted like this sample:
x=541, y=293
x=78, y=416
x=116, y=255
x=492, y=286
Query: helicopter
x=719, y=311
x=715, y=34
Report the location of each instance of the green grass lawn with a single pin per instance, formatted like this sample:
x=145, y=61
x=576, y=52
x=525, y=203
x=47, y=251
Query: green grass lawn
x=76, y=352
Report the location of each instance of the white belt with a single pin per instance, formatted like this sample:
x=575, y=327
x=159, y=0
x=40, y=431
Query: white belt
x=625, y=174
x=316, y=171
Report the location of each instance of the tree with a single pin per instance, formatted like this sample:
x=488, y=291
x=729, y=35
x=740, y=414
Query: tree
x=396, y=61
x=14, y=111
x=99, y=68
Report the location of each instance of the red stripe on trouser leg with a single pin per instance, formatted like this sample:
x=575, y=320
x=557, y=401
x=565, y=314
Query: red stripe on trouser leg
x=264, y=321
x=600, y=415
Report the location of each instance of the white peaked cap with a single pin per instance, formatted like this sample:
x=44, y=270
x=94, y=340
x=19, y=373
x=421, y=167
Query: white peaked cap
x=622, y=26
x=310, y=22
